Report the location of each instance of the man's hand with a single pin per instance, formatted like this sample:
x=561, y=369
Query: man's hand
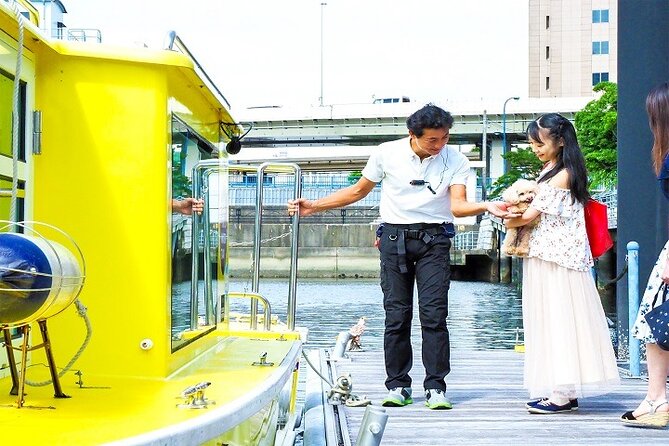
x=499, y=209
x=302, y=206
x=188, y=205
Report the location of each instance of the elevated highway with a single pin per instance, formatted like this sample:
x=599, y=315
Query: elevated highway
x=341, y=136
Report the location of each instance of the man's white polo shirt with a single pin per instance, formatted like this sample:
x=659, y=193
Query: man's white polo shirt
x=396, y=164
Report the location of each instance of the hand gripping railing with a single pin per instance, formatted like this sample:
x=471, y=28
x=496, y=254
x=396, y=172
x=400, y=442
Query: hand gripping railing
x=203, y=170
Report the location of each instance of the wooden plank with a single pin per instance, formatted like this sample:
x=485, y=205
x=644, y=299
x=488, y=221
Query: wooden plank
x=489, y=406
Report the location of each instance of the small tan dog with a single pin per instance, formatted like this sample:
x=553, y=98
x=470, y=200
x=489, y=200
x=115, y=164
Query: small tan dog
x=518, y=197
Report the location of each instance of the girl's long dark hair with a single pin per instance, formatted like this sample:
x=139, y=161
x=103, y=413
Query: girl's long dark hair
x=657, y=106
x=570, y=157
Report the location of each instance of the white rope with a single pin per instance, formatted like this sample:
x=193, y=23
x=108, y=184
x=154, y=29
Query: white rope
x=81, y=309
x=16, y=116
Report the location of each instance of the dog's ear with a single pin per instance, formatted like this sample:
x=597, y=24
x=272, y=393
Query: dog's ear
x=510, y=195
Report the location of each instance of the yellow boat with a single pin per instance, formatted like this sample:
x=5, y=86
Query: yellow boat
x=108, y=139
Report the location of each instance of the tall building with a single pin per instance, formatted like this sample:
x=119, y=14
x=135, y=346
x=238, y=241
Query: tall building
x=572, y=45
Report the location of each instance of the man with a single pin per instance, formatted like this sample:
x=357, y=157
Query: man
x=423, y=189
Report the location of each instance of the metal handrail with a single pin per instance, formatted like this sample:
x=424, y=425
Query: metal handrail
x=292, y=284
x=267, y=312
x=174, y=40
x=209, y=167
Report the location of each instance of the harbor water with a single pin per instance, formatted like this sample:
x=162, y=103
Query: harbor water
x=481, y=315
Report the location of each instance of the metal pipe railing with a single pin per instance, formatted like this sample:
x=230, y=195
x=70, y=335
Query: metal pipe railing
x=210, y=166
x=633, y=306
x=207, y=168
x=255, y=297
x=210, y=312
x=292, y=284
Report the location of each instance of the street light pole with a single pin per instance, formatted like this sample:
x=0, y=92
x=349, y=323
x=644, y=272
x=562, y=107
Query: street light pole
x=504, y=148
x=322, y=10
x=484, y=155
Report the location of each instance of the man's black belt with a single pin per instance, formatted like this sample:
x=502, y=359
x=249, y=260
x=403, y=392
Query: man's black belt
x=426, y=232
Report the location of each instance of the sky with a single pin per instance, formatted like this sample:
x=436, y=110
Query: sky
x=268, y=52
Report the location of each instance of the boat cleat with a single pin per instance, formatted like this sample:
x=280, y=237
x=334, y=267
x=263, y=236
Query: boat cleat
x=263, y=361
x=194, y=396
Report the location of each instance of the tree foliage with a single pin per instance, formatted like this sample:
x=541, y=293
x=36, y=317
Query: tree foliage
x=596, y=127
x=354, y=176
x=522, y=163
x=181, y=184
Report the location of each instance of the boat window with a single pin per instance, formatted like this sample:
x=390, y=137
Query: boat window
x=6, y=199
x=6, y=95
x=191, y=318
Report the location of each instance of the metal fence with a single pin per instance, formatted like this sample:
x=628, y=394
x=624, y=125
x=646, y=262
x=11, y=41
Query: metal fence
x=466, y=240
x=278, y=189
x=610, y=199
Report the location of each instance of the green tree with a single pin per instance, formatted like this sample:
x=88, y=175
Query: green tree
x=181, y=184
x=354, y=176
x=522, y=163
x=596, y=128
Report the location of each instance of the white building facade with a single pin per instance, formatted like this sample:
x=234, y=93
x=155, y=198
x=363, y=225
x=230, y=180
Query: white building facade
x=572, y=46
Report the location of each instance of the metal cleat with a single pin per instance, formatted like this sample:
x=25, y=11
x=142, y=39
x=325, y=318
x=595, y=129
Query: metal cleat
x=194, y=396
x=263, y=361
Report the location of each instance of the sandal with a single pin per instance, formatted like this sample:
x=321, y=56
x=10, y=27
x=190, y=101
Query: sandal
x=652, y=419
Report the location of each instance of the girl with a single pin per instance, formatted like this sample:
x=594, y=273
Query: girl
x=568, y=350
x=653, y=410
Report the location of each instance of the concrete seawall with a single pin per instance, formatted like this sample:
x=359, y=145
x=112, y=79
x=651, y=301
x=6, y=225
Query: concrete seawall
x=326, y=251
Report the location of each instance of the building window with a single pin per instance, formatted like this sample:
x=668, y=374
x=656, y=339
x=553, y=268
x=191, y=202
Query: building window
x=600, y=47
x=548, y=22
x=548, y=82
x=599, y=77
x=600, y=16
x=548, y=52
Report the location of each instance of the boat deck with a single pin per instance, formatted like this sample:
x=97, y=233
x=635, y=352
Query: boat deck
x=488, y=398
x=133, y=410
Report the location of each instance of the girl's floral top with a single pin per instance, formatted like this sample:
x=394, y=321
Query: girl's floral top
x=560, y=236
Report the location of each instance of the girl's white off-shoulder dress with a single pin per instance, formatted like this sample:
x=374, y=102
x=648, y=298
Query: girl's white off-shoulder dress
x=568, y=347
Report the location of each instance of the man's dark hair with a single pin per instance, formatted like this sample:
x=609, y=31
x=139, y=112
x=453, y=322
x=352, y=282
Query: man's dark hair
x=429, y=117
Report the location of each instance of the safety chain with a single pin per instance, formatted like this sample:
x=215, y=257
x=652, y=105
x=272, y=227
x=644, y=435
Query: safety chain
x=271, y=239
x=609, y=283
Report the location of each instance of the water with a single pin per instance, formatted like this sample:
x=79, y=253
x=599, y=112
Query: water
x=481, y=315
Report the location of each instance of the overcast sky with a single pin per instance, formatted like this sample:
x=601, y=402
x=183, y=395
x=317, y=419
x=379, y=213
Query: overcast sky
x=268, y=52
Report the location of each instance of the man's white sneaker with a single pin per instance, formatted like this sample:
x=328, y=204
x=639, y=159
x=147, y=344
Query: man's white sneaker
x=398, y=397
x=435, y=399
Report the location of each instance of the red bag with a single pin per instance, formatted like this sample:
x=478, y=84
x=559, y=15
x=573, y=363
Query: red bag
x=597, y=227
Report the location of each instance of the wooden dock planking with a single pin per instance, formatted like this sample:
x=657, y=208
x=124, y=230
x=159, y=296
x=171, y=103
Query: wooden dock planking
x=488, y=397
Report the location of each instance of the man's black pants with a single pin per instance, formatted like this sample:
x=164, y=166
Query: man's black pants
x=424, y=259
